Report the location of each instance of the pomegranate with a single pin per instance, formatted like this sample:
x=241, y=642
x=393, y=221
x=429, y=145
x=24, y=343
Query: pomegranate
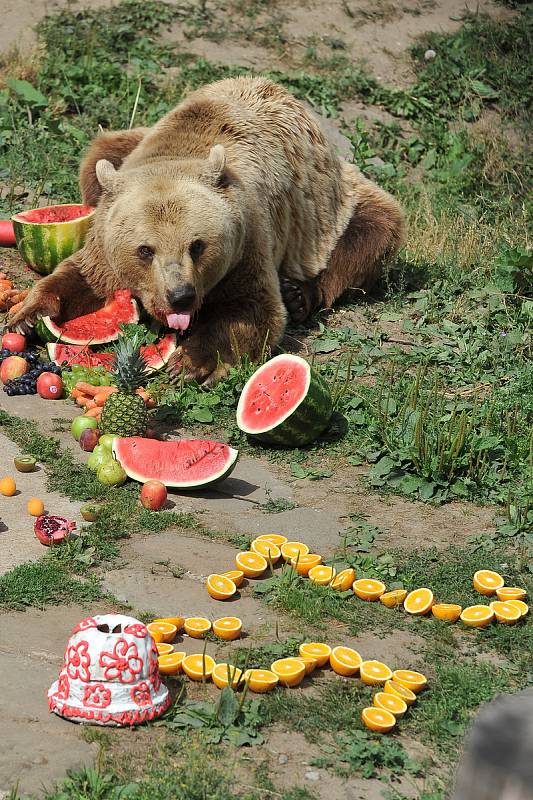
x=51, y=529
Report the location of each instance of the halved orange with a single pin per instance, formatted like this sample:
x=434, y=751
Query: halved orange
x=302, y=564
x=163, y=649
x=391, y=702
x=157, y=636
x=177, y=621
x=165, y=629
x=375, y=673
x=198, y=667
x=170, y=664
x=266, y=549
x=343, y=580
x=419, y=601
x=309, y=663
x=412, y=680
x=290, y=550
x=520, y=605
x=219, y=587
x=510, y=593
x=378, y=719
x=275, y=538
x=252, y=564
x=449, y=612
x=477, y=616
x=392, y=687
x=235, y=575
x=317, y=650
x=393, y=598
x=505, y=612
x=322, y=575
x=225, y=675
x=345, y=661
x=290, y=671
x=368, y=588
x=197, y=627
x=227, y=628
x=260, y=680
x=486, y=581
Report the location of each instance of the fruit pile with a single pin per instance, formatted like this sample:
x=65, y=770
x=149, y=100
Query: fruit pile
x=266, y=550
x=22, y=372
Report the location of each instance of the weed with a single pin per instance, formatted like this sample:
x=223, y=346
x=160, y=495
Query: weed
x=45, y=582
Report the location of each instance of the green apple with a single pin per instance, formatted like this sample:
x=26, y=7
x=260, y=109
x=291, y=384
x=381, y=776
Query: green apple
x=80, y=424
x=111, y=473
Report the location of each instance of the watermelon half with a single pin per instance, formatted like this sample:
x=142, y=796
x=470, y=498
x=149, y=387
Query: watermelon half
x=184, y=464
x=285, y=403
x=98, y=327
x=46, y=236
x=156, y=355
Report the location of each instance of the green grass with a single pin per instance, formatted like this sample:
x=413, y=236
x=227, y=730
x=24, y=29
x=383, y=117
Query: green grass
x=42, y=583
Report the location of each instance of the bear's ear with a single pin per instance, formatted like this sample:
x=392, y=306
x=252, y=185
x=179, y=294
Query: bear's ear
x=107, y=176
x=216, y=172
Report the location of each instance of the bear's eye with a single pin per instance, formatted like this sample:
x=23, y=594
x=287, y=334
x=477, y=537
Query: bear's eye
x=145, y=252
x=196, y=249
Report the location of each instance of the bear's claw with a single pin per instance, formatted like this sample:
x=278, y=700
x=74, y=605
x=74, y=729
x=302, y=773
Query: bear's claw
x=298, y=298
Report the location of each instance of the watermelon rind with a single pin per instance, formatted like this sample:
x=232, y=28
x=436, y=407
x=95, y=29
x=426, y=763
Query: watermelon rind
x=49, y=331
x=304, y=422
x=44, y=245
x=138, y=466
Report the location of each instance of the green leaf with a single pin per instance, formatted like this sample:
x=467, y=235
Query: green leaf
x=383, y=467
x=201, y=414
x=484, y=90
x=326, y=345
x=27, y=92
x=299, y=472
x=228, y=707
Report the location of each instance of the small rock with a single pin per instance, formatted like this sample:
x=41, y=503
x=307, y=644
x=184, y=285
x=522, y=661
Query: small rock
x=39, y=760
x=376, y=161
x=312, y=776
x=429, y=55
x=282, y=759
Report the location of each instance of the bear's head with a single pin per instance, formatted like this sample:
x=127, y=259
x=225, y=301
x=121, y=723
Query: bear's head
x=171, y=231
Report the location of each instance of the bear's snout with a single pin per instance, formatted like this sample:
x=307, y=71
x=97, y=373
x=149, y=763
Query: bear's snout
x=182, y=298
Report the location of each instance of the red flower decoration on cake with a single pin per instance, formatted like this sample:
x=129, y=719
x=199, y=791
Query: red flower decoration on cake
x=84, y=625
x=78, y=661
x=137, y=629
x=141, y=695
x=96, y=696
x=123, y=663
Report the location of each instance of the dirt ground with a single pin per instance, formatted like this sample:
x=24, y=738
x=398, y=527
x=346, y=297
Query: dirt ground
x=31, y=644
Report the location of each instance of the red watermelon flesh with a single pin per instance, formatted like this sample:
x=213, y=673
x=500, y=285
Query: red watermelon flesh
x=63, y=213
x=156, y=355
x=97, y=327
x=183, y=464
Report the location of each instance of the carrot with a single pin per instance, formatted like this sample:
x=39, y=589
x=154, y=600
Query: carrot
x=82, y=399
x=90, y=404
x=5, y=284
x=87, y=388
x=101, y=397
x=75, y=393
x=3, y=276
x=93, y=412
x=17, y=297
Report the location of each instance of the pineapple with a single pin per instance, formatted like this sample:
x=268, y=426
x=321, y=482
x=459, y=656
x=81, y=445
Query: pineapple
x=124, y=413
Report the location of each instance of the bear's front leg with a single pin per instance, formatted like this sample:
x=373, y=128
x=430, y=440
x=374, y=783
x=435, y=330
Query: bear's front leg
x=63, y=295
x=250, y=323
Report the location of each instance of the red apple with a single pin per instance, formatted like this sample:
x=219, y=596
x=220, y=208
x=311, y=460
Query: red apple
x=153, y=495
x=13, y=367
x=14, y=342
x=49, y=386
x=89, y=439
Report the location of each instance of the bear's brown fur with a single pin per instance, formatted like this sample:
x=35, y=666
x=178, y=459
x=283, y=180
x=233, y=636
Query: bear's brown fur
x=231, y=194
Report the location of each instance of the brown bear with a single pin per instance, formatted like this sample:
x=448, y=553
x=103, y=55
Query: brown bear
x=231, y=210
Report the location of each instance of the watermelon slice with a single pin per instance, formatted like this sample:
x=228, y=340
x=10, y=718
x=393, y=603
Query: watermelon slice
x=98, y=327
x=184, y=464
x=45, y=236
x=156, y=355
x=285, y=403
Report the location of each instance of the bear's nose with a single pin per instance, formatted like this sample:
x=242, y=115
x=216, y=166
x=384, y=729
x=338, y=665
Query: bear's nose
x=182, y=298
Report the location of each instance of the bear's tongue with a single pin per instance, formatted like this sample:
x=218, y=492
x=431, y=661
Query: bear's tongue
x=179, y=322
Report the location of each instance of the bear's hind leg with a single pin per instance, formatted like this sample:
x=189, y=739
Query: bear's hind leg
x=375, y=232
x=114, y=146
